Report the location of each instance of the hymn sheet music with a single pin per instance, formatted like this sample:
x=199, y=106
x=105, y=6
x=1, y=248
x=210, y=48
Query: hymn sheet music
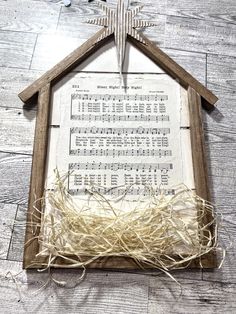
x=117, y=135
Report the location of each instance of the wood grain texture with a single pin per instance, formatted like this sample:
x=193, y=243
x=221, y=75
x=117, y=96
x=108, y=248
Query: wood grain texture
x=198, y=145
x=186, y=60
x=200, y=168
x=37, y=182
x=11, y=82
x=63, y=67
x=50, y=49
x=14, y=178
x=173, y=69
x=227, y=235
x=221, y=131
x=221, y=73
x=214, y=10
x=149, y=9
x=184, y=32
x=17, y=130
x=16, y=49
x=222, y=170
x=6, y=224
x=37, y=174
x=72, y=20
x=15, y=252
x=150, y=49
x=99, y=292
x=41, y=16
x=200, y=35
x=196, y=297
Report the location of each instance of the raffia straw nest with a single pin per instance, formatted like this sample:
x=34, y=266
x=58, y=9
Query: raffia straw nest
x=165, y=234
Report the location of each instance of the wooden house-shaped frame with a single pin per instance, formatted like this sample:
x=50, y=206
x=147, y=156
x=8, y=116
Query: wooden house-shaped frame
x=198, y=96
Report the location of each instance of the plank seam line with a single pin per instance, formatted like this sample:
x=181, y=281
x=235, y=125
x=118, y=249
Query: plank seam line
x=16, y=153
x=200, y=19
x=13, y=228
x=35, y=43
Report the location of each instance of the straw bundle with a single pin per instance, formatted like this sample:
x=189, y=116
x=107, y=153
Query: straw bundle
x=164, y=233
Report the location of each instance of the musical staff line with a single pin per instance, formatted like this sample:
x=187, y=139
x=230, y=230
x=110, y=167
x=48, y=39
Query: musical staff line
x=121, y=166
x=127, y=152
x=114, y=117
x=118, y=141
x=119, y=97
x=119, y=191
x=119, y=131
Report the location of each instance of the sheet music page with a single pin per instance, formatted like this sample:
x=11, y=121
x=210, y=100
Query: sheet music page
x=115, y=135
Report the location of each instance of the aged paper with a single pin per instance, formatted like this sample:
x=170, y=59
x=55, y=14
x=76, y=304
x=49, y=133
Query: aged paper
x=119, y=138
x=116, y=135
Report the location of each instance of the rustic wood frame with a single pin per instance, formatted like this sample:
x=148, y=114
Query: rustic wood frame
x=198, y=96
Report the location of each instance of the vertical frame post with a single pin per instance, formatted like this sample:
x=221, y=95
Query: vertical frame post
x=37, y=177
x=200, y=169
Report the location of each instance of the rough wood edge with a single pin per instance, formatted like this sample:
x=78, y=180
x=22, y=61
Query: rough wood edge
x=200, y=168
x=37, y=176
x=175, y=70
x=64, y=66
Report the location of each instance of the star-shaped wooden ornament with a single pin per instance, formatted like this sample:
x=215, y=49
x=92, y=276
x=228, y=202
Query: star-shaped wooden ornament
x=121, y=22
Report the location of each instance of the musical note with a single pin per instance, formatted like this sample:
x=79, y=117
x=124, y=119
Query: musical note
x=118, y=97
x=121, y=166
x=117, y=139
x=114, y=117
x=119, y=131
x=116, y=192
x=117, y=153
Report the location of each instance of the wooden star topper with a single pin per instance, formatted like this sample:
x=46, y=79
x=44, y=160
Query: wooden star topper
x=121, y=22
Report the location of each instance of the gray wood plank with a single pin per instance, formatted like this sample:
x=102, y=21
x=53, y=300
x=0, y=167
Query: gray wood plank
x=148, y=7
x=51, y=49
x=72, y=20
x=100, y=292
x=196, y=297
x=14, y=178
x=194, y=63
x=15, y=252
x=214, y=10
x=7, y=216
x=56, y=1
x=16, y=49
x=221, y=76
x=124, y=293
x=158, y=8
x=29, y=16
x=227, y=234
x=221, y=79
x=148, y=11
x=13, y=81
x=222, y=172
x=221, y=131
x=200, y=35
x=17, y=130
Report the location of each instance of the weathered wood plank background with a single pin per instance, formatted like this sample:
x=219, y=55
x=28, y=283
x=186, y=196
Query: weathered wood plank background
x=34, y=35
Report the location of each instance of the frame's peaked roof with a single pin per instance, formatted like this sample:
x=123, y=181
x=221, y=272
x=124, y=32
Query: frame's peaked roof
x=149, y=48
x=196, y=92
